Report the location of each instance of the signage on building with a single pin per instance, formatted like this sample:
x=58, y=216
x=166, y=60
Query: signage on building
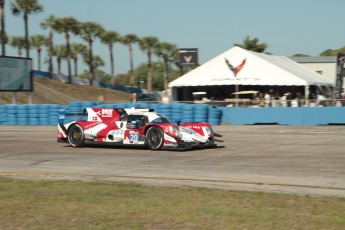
x=15, y=74
x=340, y=75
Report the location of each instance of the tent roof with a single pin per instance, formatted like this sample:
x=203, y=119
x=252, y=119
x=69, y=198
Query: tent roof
x=259, y=69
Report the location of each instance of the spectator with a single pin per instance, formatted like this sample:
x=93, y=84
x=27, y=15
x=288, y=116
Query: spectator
x=276, y=101
x=299, y=98
x=267, y=98
x=288, y=98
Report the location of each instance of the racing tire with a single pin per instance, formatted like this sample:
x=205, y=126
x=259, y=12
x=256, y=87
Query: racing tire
x=154, y=138
x=76, y=136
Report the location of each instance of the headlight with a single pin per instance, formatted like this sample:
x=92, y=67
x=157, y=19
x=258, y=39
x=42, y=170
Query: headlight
x=209, y=131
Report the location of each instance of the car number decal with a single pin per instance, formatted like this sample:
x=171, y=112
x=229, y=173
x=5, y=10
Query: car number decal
x=133, y=137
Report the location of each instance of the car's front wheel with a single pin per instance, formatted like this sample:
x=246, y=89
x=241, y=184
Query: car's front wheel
x=155, y=138
x=76, y=136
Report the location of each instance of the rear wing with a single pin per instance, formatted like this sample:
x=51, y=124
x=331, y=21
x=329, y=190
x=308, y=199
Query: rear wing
x=62, y=115
x=100, y=114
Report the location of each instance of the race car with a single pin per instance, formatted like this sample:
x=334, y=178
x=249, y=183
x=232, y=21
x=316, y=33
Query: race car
x=132, y=126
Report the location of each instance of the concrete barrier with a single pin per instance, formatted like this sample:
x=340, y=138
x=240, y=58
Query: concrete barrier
x=284, y=116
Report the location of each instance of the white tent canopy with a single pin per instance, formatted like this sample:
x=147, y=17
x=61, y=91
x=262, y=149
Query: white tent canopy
x=259, y=69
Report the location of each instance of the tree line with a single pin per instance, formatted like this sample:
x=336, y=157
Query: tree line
x=71, y=51
x=91, y=32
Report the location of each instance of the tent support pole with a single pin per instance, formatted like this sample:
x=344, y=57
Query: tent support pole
x=306, y=95
x=236, y=95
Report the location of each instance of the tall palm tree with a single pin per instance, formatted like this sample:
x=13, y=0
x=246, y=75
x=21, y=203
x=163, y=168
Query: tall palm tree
x=49, y=23
x=18, y=42
x=26, y=7
x=67, y=25
x=148, y=45
x=59, y=51
x=109, y=38
x=76, y=50
x=38, y=41
x=90, y=31
x=128, y=40
x=2, y=23
x=168, y=52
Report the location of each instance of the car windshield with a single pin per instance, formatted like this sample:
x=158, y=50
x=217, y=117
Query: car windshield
x=160, y=120
x=136, y=118
x=146, y=97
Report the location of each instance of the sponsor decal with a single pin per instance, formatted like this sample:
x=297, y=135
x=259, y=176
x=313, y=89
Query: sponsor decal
x=107, y=112
x=193, y=127
x=134, y=137
x=189, y=131
x=90, y=125
x=118, y=132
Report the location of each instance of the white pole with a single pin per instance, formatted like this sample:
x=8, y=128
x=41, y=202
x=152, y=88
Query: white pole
x=306, y=95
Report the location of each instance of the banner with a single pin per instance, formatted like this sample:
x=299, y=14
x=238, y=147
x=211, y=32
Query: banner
x=340, y=75
x=188, y=56
x=16, y=74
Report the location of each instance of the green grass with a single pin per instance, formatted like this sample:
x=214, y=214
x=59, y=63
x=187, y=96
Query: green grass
x=26, y=204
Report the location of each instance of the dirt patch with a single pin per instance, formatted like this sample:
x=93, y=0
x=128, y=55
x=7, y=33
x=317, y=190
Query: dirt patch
x=48, y=91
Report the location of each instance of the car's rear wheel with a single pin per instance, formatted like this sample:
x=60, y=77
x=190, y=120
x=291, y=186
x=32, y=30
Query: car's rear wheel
x=76, y=136
x=155, y=138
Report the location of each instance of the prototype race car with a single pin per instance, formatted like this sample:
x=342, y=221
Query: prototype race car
x=141, y=127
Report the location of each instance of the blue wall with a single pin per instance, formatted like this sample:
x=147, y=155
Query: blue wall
x=46, y=114
x=284, y=116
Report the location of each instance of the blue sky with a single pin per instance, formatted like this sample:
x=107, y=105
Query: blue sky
x=212, y=26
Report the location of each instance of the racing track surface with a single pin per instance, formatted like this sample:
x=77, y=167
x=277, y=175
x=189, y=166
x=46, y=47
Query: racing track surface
x=290, y=159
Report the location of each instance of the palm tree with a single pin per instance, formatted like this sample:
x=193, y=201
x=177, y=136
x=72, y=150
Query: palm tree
x=90, y=31
x=38, y=41
x=59, y=51
x=19, y=43
x=253, y=45
x=77, y=49
x=3, y=38
x=148, y=44
x=67, y=25
x=97, y=61
x=168, y=52
x=109, y=38
x=26, y=7
x=49, y=23
x=128, y=40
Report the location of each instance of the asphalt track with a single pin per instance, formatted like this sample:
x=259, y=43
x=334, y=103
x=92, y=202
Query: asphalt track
x=306, y=160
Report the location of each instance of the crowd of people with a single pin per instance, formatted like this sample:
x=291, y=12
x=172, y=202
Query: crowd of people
x=289, y=99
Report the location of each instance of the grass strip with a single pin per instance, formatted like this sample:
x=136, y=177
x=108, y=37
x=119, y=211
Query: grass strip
x=28, y=204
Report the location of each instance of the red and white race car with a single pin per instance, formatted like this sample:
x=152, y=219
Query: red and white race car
x=141, y=127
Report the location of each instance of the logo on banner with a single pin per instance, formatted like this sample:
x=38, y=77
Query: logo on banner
x=237, y=69
x=188, y=58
